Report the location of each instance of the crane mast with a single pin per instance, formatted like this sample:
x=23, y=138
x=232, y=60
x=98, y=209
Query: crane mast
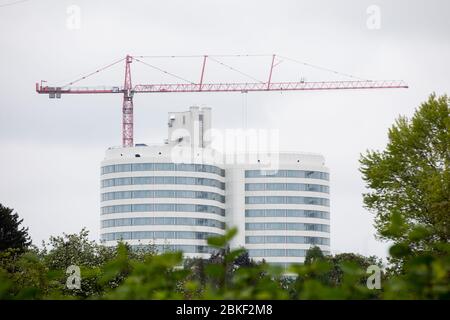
x=127, y=109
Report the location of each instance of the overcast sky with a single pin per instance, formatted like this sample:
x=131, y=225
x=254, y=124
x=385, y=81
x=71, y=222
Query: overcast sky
x=51, y=149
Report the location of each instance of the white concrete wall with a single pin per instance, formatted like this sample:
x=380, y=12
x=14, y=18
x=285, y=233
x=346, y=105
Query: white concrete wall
x=235, y=203
x=188, y=127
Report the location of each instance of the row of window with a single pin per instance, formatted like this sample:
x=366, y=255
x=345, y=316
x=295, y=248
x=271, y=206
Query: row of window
x=131, y=167
x=287, y=239
x=252, y=213
x=287, y=200
x=172, y=248
x=163, y=180
x=286, y=187
x=162, y=221
x=287, y=174
x=137, y=194
x=137, y=235
x=277, y=253
x=185, y=248
x=284, y=265
x=169, y=207
x=210, y=250
x=287, y=265
x=287, y=226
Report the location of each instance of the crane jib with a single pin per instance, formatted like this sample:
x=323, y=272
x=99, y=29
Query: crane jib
x=256, y=85
x=56, y=92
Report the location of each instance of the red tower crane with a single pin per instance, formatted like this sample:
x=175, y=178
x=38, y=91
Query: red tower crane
x=128, y=90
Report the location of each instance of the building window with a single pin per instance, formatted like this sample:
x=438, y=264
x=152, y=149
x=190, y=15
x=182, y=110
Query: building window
x=287, y=174
x=287, y=200
x=286, y=186
x=166, y=207
x=287, y=226
x=139, y=235
x=138, y=194
x=128, y=167
x=287, y=239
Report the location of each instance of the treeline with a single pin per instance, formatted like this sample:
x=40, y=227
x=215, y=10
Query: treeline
x=121, y=273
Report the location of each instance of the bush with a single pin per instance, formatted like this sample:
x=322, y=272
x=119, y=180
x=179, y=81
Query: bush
x=120, y=273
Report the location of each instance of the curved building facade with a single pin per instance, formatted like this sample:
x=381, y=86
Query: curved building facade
x=148, y=199
x=282, y=212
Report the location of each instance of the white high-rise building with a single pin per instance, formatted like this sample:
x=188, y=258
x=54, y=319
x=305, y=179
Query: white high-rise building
x=175, y=195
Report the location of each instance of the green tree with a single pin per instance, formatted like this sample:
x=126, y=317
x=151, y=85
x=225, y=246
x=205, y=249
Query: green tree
x=75, y=249
x=331, y=270
x=12, y=235
x=336, y=273
x=60, y=252
x=313, y=254
x=424, y=274
x=410, y=180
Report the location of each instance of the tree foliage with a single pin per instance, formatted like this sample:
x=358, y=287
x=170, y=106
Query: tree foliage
x=12, y=235
x=125, y=274
x=74, y=249
x=410, y=179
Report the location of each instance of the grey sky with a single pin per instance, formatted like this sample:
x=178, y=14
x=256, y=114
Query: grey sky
x=51, y=149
